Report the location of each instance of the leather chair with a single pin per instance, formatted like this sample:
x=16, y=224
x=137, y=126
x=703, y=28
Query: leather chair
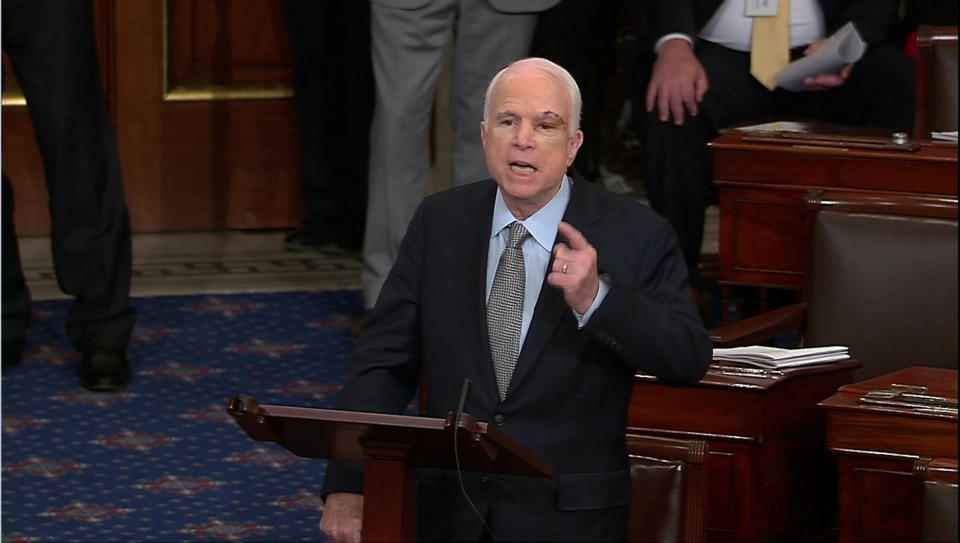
x=882, y=280
x=939, y=475
x=669, y=488
x=936, y=92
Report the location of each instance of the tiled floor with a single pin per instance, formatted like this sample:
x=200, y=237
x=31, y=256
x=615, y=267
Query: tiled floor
x=225, y=262
x=207, y=262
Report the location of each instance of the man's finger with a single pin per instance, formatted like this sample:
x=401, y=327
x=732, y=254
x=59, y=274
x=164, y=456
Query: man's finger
x=663, y=105
x=651, y=96
x=701, y=84
x=574, y=238
x=676, y=109
x=690, y=101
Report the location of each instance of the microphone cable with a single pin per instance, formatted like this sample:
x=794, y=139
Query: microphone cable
x=456, y=458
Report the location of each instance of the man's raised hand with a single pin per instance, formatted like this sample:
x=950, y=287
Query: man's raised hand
x=574, y=269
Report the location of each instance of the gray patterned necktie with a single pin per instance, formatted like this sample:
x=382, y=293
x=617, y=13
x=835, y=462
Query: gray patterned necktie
x=505, y=308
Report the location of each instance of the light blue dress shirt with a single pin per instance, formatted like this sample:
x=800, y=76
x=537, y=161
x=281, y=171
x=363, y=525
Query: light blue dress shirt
x=537, y=249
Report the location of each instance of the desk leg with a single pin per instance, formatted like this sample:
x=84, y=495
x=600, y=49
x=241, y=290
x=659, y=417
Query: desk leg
x=725, y=304
x=390, y=501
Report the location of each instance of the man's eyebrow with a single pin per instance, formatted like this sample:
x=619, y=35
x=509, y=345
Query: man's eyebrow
x=545, y=116
x=552, y=116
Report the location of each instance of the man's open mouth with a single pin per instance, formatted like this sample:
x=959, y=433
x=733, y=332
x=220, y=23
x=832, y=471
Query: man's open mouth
x=522, y=168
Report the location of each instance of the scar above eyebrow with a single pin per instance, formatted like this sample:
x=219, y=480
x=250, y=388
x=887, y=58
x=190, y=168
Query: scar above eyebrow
x=545, y=116
x=549, y=115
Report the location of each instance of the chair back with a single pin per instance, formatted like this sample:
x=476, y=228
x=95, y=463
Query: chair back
x=668, y=488
x=936, y=92
x=883, y=279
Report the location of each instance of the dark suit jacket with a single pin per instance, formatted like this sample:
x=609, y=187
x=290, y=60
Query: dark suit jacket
x=568, y=398
x=874, y=18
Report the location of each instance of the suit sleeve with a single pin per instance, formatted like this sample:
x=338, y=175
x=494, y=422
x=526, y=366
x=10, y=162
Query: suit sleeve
x=384, y=370
x=649, y=320
x=666, y=16
x=873, y=18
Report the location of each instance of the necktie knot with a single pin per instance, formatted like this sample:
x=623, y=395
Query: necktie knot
x=517, y=235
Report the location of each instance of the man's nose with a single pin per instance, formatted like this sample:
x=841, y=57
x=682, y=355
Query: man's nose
x=524, y=136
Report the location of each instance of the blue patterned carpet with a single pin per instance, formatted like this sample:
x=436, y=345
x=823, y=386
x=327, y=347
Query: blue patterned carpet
x=162, y=460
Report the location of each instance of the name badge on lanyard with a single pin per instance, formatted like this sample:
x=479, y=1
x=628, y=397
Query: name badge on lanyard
x=761, y=8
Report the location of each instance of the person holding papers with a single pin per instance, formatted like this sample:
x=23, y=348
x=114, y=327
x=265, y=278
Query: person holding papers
x=711, y=71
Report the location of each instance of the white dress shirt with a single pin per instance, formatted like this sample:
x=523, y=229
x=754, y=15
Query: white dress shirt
x=731, y=27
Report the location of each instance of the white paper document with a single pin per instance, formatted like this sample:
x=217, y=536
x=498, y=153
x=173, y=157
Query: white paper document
x=775, y=126
x=844, y=47
x=944, y=136
x=775, y=357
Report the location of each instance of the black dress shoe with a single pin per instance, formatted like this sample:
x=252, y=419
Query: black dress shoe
x=335, y=241
x=12, y=351
x=105, y=368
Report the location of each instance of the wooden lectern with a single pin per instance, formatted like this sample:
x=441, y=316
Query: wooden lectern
x=391, y=447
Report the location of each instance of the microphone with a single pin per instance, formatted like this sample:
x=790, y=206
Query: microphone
x=463, y=400
x=456, y=455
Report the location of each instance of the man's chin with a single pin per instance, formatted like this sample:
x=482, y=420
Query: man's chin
x=526, y=191
x=519, y=187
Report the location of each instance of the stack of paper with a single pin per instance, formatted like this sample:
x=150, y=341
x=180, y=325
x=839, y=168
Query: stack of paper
x=944, y=136
x=774, y=357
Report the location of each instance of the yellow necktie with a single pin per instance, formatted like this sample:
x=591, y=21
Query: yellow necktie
x=770, y=45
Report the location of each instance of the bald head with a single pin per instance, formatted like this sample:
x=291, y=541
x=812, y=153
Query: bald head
x=552, y=69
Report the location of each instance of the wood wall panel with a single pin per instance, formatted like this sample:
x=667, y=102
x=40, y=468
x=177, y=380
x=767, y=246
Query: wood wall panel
x=224, y=155
x=237, y=161
x=226, y=42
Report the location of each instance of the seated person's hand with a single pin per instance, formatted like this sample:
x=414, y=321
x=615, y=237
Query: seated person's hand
x=677, y=83
x=823, y=82
x=342, y=518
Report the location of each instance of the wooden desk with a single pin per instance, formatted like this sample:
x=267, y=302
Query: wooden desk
x=761, y=186
x=768, y=468
x=880, y=449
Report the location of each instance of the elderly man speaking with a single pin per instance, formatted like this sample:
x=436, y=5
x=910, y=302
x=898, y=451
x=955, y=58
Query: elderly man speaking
x=548, y=295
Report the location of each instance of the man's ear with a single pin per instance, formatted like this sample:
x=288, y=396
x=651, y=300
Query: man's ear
x=483, y=134
x=573, y=146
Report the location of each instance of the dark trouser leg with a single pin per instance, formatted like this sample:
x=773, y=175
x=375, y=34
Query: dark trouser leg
x=676, y=172
x=333, y=91
x=676, y=163
x=16, y=296
x=52, y=48
x=580, y=35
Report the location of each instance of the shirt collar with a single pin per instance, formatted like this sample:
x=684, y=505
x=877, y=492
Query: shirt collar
x=542, y=225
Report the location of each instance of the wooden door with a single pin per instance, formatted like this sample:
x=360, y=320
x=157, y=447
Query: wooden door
x=202, y=111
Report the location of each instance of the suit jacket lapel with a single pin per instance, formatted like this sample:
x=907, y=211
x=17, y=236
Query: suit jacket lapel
x=473, y=235
x=582, y=212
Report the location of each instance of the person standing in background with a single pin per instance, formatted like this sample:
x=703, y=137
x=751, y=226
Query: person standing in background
x=51, y=46
x=333, y=90
x=581, y=35
x=410, y=39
